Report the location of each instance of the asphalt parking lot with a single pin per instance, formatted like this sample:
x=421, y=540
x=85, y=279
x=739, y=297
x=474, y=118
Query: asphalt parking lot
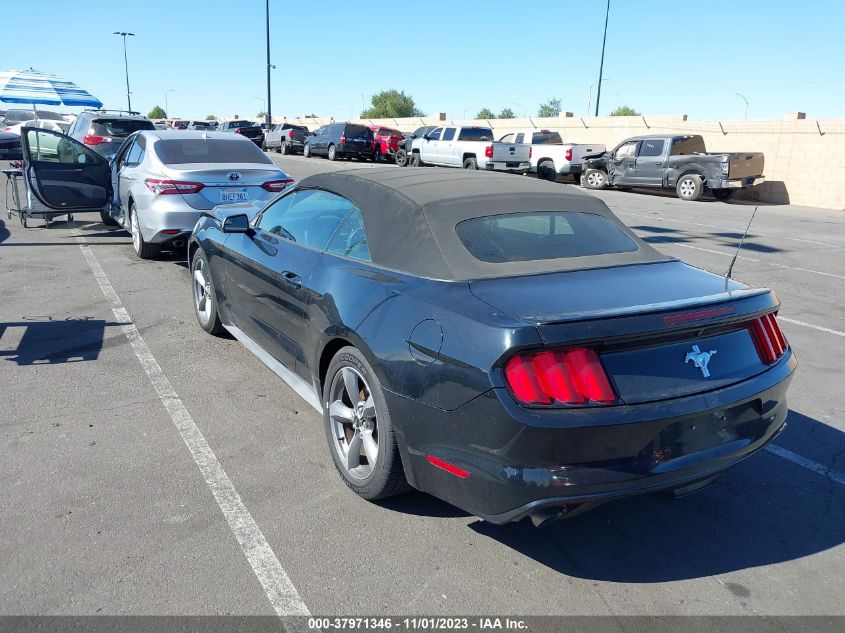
x=107, y=510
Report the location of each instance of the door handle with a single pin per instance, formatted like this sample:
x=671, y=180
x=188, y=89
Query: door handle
x=292, y=278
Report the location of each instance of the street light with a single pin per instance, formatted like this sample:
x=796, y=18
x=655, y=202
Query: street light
x=126, y=66
x=264, y=106
x=601, y=66
x=742, y=96
x=467, y=110
x=268, y=117
x=590, y=96
x=524, y=109
x=167, y=107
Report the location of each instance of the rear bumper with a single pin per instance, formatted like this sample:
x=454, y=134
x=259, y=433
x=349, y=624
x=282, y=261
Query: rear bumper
x=507, y=166
x=521, y=460
x=739, y=183
x=570, y=168
x=348, y=150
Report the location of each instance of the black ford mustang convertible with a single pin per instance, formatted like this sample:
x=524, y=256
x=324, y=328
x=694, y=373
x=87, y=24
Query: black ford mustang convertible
x=503, y=343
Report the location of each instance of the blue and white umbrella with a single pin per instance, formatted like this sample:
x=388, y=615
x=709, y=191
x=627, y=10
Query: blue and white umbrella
x=34, y=87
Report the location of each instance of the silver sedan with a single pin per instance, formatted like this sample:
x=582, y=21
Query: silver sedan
x=157, y=185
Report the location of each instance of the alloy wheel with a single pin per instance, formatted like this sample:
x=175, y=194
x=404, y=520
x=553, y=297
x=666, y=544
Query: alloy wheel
x=595, y=179
x=354, y=427
x=687, y=188
x=202, y=291
x=135, y=230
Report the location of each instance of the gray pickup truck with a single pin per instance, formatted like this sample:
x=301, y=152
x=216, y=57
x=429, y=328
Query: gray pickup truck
x=678, y=162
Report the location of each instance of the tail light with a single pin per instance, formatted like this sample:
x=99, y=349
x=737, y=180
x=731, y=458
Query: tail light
x=238, y=130
x=568, y=154
x=343, y=138
x=768, y=338
x=171, y=187
x=573, y=376
x=274, y=186
x=290, y=134
x=488, y=151
x=93, y=139
x=725, y=167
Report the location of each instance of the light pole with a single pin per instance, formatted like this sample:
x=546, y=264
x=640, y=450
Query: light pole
x=467, y=110
x=601, y=66
x=742, y=96
x=167, y=107
x=126, y=66
x=590, y=95
x=268, y=117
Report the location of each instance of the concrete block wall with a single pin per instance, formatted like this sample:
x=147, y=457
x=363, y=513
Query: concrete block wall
x=805, y=158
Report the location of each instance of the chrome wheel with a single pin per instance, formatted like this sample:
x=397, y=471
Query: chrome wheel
x=595, y=178
x=136, y=231
x=202, y=291
x=353, y=423
x=687, y=188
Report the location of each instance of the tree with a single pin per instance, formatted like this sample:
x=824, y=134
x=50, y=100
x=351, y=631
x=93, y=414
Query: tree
x=157, y=113
x=485, y=113
x=507, y=113
x=210, y=117
x=551, y=108
x=390, y=104
x=261, y=115
x=624, y=111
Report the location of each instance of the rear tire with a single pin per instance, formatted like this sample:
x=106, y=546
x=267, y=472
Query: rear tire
x=595, y=179
x=284, y=149
x=306, y=151
x=722, y=194
x=546, y=171
x=204, y=295
x=143, y=249
x=416, y=161
x=470, y=163
x=332, y=153
x=361, y=427
x=106, y=219
x=401, y=158
x=689, y=187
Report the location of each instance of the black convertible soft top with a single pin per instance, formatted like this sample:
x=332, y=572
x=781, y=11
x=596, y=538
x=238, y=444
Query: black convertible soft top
x=410, y=217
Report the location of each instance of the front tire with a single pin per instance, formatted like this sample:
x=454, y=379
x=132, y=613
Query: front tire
x=205, y=297
x=306, y=151
x=595, y=179
x=689, y=187
x=359, y=430
x=470, y=163
x=332, y=154
x=401, y=158
x=143, y=249
x=416, y=161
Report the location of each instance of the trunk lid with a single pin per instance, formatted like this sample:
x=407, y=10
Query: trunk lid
x=220, y=188
x=745, y=165
x=511, y=152
x=661, y=330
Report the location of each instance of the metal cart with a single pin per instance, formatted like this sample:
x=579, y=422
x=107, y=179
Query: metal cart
x=18, y=201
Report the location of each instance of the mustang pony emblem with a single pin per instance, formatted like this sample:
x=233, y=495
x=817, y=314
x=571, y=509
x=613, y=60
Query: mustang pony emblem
x=700, y=359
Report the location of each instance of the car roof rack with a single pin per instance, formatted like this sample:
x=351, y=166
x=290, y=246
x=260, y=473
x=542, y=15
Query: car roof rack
x=132, y=112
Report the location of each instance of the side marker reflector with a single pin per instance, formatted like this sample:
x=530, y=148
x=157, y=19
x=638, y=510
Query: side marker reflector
x=449, y=468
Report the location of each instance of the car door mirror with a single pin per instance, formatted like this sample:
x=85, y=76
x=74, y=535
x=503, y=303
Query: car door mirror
x=426, y=137
x=81, y=159
x=236, y=223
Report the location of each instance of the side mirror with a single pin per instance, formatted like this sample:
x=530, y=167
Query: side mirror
x=236, y=223
x=426, y=137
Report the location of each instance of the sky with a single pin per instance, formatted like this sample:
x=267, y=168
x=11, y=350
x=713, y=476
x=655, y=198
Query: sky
x=662, y=57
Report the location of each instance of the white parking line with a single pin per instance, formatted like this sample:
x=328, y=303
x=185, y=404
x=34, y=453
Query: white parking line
x=707, y=250
x=277, y=585
x=810, y=325
x=798, y=239
x=807, y=463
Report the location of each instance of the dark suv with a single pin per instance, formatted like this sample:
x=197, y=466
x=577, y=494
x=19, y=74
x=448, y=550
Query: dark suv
x=341, y=140
x=105, y=130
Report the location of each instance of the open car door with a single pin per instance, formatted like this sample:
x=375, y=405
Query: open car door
x=62, y=173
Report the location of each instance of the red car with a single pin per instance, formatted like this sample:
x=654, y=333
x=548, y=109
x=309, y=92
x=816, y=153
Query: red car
x=385, y=141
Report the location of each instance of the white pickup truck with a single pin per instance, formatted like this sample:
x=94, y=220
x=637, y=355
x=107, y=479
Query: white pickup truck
x=469, y=147
x=550, y=156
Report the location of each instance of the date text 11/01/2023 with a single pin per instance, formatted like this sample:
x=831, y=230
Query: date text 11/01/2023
x=420, y=623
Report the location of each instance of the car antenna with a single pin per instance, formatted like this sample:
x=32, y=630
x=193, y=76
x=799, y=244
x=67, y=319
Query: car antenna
x=741, y=241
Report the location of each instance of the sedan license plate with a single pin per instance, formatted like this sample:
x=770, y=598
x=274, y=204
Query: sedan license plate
x=234, y=195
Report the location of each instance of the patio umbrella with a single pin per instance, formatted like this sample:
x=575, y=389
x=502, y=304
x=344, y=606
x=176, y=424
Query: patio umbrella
x=32, y=86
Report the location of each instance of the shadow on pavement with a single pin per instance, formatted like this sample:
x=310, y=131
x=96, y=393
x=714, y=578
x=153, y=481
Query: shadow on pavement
x=42, y=340
x=421, y=504
x=4, y=232
x=765, y=511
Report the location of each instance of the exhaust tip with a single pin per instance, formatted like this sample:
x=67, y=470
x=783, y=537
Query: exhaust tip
x=546, y=516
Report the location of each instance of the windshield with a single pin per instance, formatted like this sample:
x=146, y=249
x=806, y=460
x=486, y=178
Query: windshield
x=521, y=237
x=197, y=150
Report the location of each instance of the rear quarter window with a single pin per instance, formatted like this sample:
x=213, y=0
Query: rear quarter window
x=476, y=134
x=543, y=235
